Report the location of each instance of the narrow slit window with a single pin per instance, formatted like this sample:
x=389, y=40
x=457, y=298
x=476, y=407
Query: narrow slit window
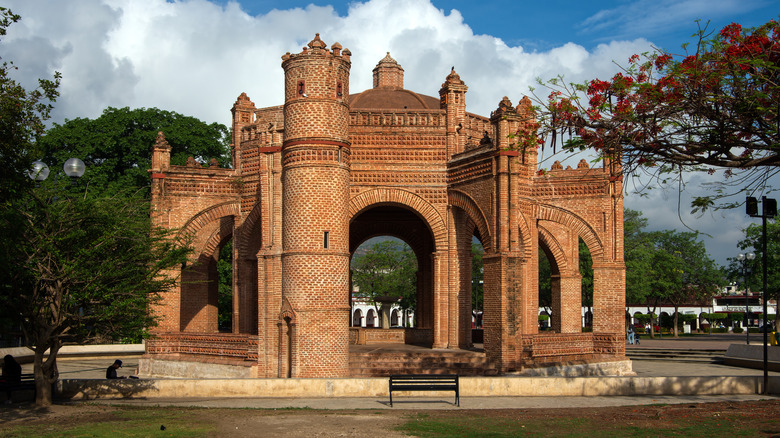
x=325, y=239
x=338, y=89
x=301, y=87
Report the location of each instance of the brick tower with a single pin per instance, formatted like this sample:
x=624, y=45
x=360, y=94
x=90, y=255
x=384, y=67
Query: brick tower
x=315, y=225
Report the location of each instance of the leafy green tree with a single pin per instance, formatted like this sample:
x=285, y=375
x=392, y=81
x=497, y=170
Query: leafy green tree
x=389, y=268
x=753, y=242
x=80, y=269
x=682, y=271
x=225, y=286
x=637, y=256
x=116, y=147
x=22, y=117
x=586, y=271
x=545, y=282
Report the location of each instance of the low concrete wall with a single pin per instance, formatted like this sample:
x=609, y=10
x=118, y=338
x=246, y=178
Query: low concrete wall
x=378, y=387
x=752, y=356
x=160, y=368
x=25, y=355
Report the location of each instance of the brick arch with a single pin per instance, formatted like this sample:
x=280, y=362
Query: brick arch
x=219, y=237
x=575, y=223
x=385, y=196
x=204, y=217
x=249, y=231
x=456, y=198
x=554, y=247
x=415, y=241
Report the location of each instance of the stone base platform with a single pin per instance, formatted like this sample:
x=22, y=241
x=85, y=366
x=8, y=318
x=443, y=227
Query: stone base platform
x=512, y=386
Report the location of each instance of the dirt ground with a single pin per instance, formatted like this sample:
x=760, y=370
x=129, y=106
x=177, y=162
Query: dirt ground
x=359, y=423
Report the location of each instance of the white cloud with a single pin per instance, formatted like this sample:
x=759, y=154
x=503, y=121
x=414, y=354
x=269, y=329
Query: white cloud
x=195, y=57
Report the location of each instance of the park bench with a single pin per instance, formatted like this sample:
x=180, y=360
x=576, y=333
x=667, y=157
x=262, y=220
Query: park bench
x=424, y=382
x=26, y=383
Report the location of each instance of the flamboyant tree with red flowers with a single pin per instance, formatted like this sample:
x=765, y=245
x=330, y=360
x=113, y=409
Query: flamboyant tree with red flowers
x=716, y=106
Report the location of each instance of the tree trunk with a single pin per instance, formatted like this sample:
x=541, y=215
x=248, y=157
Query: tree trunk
x=45, y=373
x=43, y=394
x=676, y=313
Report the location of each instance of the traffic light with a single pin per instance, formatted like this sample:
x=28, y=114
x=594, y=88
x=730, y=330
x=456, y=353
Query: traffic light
x=770, y=207
x=751, y=205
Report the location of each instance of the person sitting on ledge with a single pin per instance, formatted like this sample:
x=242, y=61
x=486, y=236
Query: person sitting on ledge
x=111, y=371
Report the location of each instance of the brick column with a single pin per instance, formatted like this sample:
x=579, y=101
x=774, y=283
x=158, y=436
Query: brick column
x=609, y=298
x=503, y=309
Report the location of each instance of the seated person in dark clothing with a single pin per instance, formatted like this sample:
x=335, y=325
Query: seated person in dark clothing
x=12, y=373
x=111, y=371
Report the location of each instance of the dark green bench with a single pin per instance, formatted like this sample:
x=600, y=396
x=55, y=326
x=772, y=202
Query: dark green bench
x=26, y=383
x=424, y=382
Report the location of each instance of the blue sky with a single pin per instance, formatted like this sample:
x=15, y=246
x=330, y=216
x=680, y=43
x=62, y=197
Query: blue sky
x=541, y=25
x=196, y=56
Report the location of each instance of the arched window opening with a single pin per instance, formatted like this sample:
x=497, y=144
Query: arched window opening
x=545, y=289
x=357, y=318
x=477, y=285
x=586, y=271
x=225, y=288
x=384, y=270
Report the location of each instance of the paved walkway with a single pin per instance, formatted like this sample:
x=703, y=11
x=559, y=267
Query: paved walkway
x=80, y=368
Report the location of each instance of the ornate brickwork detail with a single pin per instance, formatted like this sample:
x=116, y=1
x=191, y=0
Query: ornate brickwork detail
x=218, y=183
x=434, y=196
x=568, y=344
x=239, y=346
x=551, y=187
x=318, y=155
x=386, y=155
x=480, y=169
x=433, y=118
x=398, y=178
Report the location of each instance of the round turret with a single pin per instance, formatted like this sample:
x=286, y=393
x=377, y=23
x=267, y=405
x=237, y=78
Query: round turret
x=315, y=201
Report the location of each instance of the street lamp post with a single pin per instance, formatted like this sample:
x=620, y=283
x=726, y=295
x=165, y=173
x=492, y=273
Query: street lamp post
x=768, y=210
x=745, y=271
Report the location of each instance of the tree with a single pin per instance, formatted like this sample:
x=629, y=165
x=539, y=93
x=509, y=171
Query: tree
x=389, y=268
x=80, y=269
x=637, y=256
x=682, y=272
x=545, y=282
x=753, y=242
x=225, y=287
x=716, y=106
x=22, y=117
x=116, y=147
x=586, y=272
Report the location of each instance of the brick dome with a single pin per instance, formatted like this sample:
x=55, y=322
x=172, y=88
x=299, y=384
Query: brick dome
x=392, y=98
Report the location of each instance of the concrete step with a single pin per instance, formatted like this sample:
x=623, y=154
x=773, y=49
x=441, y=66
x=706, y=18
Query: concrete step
x=676, y=355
